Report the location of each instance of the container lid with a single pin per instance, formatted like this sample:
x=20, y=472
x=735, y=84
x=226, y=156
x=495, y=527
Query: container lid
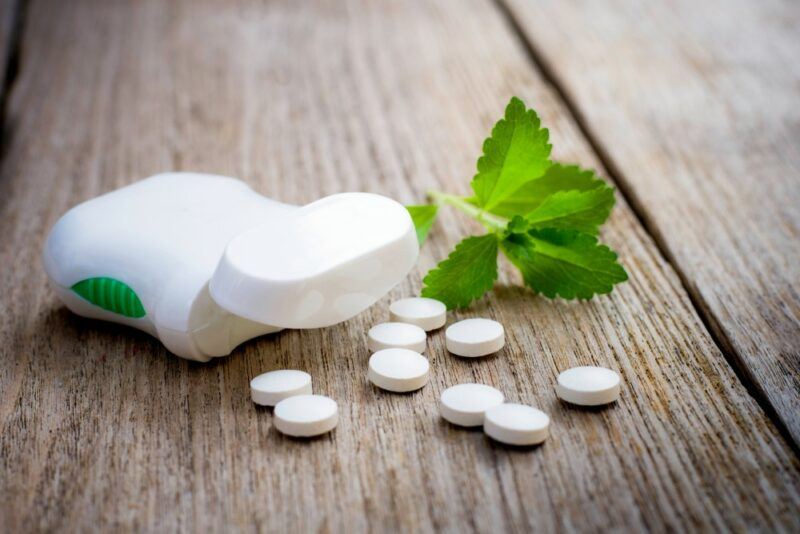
x=319, y=265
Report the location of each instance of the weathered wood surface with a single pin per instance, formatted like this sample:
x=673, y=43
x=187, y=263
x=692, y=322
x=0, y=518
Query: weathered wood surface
x=8, y=24
x=100, y=428
x=696, y=106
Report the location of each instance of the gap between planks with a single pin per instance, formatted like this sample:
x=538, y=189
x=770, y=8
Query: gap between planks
x=625, y=190
x=13, y=27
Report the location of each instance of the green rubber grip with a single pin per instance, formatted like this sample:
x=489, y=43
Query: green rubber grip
x=111, y=295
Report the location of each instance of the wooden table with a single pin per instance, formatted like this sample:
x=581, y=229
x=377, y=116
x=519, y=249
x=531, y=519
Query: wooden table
x=689, y=108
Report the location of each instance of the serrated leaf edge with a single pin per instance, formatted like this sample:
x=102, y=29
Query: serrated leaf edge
x=463, y=300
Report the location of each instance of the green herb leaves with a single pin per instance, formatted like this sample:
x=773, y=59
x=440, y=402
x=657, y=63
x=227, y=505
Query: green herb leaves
x=467, y=273
x=543, y=216
x=516, y=152
x=566, y=196
x=563, y=263
x=423, y=217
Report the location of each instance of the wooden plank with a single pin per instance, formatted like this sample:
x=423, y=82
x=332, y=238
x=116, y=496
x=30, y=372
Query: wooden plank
x=8, y=28
x=102, y=429
x=8, y=12
x=695, y=103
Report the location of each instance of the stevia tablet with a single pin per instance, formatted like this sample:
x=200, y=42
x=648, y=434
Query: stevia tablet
x=306, y=415
x=398, y=370
x=270, y=388
x=396, y=335
x=465, y=404
x=474, y=337
x=588, y=386
x=516, y=424
x=428, y=314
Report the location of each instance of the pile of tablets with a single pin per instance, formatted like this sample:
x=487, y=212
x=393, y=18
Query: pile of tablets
x=397, y=365
x=298, y=412
x=473, y=405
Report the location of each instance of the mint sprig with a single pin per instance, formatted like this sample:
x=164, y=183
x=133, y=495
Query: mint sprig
x=543, y=216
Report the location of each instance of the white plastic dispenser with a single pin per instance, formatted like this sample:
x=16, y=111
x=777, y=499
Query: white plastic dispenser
x=205, y=263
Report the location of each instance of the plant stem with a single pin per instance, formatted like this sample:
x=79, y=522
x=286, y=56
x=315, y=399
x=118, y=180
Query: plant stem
x=489, y=221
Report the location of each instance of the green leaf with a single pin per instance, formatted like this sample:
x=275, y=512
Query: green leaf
x=564, y=263
x=543, y=216
x=558, y=177
x=517, y=152
x=517, y=225
x=423, y=217
x=467, y=273
x=583, y=211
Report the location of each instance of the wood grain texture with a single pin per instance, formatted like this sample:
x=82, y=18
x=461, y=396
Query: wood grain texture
x=9, y=20
x=102, y=429
x=695, y=105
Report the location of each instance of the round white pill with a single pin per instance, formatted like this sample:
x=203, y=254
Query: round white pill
x=428, y=314
x=516, y=424
x=270, y=388
x=398, y=370
x=465, y=404
x=306, y=415
x=396, y=335
x=475, y=337
x=588, y=386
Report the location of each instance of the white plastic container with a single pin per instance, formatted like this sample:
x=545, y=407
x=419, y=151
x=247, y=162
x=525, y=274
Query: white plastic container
x=205, y=263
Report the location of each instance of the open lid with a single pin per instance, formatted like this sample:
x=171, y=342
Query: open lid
x=319, y=265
